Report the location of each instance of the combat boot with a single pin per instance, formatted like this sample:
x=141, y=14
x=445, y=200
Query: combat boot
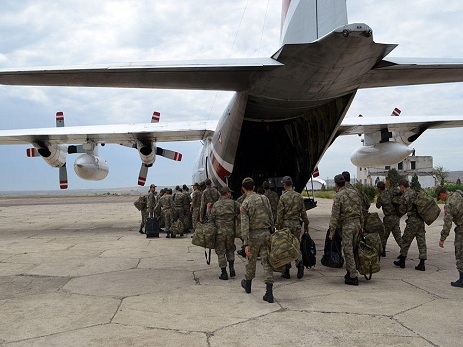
x=141, y=230
x=459, y=282
x=300, y=270
x=223, y=275
x=172, y=235
x=246, y=284
x=352, y=281
x=383, y=253
x=268, y=293
x=231, y=265
x=420, y=266
x=168, y=235
x=400, y=262
x=286, y=274
x=347, y=275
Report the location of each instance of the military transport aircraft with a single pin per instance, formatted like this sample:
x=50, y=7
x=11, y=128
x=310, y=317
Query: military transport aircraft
x=287, y=109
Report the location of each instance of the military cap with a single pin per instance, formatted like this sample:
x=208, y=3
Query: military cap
x=185, y=186
x=339, y=179
x=287, y=180
x=225, y=190
x=196, y=184
x=247, y=179
x=403, y=182
x=266, y=185
x=208, y=181
x=152, y=186
x=440, y=189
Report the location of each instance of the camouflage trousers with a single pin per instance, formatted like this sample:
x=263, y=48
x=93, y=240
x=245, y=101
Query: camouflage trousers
x=177, y=213
x=259, y=242
x=195, y=216
x=295, y=227
x=350, y=233
x=167, y=216
x=225, y=247
x=392, y=225
x=459, y=248
x=144, y=215
x=414, y=228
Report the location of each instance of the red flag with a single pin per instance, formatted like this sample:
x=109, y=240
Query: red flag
x=315, y=172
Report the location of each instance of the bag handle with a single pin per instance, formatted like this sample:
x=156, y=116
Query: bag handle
x=208, y=261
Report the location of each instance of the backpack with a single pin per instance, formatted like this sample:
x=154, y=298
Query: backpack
x=140, y=203
x=308, y=251
x=426, y=206
x=366, y=259
x=374, y=232
x=396, y=201
x=332, y=256
x=284, y=248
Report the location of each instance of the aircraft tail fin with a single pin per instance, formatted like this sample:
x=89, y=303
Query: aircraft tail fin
x=305, y=21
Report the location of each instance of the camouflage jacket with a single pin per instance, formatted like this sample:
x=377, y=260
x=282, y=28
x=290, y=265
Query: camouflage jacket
x=254, y=215
x=364, y=198
x=196, y=199
x=165, y=203
x=178, y=199
x=241, y=199
x=151, y=201
x=273, y=198
x=385, y=201
x=453, y=212
x=347, y=205
x=209, y=195
x=223, y=214
x=406, y=203
x=186, y=200
x=291, y=207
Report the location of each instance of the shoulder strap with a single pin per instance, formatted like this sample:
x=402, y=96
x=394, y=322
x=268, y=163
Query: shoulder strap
x=267, y=210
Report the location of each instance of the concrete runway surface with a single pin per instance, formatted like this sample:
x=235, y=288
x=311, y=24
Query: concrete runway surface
x=75, y=271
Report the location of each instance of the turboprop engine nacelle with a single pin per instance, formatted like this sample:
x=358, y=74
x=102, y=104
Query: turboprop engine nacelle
x=91, y=168
x=380, y=154
x=54, y=155
x=147, y=152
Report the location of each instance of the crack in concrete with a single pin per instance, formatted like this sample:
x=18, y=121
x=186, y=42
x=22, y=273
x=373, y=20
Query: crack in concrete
x=196, y=279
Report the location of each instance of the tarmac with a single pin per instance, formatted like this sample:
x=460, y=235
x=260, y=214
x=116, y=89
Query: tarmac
x=75, y=271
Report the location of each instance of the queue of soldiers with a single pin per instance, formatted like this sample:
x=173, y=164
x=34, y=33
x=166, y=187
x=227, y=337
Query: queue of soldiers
x=260, y=214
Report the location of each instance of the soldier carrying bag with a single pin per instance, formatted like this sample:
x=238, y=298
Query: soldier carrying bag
x=426, y=206
x=366, y=258
x=205, y=236
x=140, y=203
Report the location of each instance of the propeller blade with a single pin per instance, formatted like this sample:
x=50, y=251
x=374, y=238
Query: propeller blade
x=59, y=119
x=142, y=175
x=63, y=177
x=166, y=153
x=156, y=117
x=32, y=152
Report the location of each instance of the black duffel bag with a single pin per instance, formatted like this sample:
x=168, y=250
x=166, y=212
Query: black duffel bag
x=332, y=256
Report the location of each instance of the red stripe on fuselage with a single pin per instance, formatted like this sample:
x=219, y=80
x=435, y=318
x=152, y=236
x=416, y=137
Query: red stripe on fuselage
x=218, y=168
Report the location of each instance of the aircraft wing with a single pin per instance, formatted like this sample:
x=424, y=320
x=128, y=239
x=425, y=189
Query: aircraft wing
x=225, y=74
x=412, y=71
x=118, y=133
x=417, y=124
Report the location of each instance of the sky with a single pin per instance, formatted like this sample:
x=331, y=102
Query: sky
x=80, y=32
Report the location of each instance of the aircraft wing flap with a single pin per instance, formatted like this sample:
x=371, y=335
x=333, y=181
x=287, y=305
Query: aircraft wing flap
x=404, y=72
x=119, y=133
x=226, y=74
x=368, y=125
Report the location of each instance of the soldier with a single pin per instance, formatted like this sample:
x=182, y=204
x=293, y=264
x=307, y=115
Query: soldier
x=453, y=213
x=210, y=195
x=186, y=207
x=142, y=203
x=255, y=223
x=414, y=227
x=391, y=220
x=290, y=211
x=165, y=207
x=223, y=214
x=272, y=197
x=151, y=200
x=347, y=214
x=195, y=204
x=241, y=251
x=178, y=204
x=365, y=201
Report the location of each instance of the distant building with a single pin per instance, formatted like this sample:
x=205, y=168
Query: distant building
x=419, y=165
x=454, y=176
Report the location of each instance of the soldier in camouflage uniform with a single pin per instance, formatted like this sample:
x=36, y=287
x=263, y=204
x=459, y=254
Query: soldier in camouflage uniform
x=290, y=211
x=177, y=197
x=365, y=201
x=210, y=195
x=391, y=220
x=223, y=214
x=347, y=214
x=272, y=197
x=165, y=207
x=143, y=200
x=241, y=251
x=186, y=207
x=453, y=213
x=151, y=201
x=414, y=227
x=195, y=204
x=255, y=224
